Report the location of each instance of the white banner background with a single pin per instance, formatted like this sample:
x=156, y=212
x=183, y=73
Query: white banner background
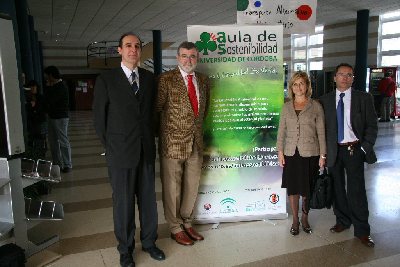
x=296, y=16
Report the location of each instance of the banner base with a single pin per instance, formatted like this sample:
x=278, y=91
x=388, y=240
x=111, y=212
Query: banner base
x=264, y=217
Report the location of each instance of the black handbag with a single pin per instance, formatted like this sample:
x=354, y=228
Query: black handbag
x=12, y=255
x=321, y=193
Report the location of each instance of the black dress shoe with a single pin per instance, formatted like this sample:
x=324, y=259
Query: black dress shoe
x=294, y=230
x=337, y=228
x=126, y=260
x=367, y=240
x=66, y=169
x=307, y=229
x=155, y=253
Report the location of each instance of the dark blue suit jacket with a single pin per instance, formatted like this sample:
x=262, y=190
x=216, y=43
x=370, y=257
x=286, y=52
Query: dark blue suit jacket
x=363, y=121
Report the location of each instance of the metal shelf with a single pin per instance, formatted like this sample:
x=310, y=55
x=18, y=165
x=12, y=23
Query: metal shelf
x=22, y=212
x=40, y=178
x=43, y=210
x=40, y=170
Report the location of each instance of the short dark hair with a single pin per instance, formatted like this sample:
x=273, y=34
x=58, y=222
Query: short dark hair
x=53, y=72
x=187, y=45
x=128, y=34
x=343, y=65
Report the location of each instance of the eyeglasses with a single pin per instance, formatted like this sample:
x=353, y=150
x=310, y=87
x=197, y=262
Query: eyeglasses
x=345, y=75
x=192, y=57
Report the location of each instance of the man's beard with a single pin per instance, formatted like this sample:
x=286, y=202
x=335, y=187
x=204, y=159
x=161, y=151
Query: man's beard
x=187, y=68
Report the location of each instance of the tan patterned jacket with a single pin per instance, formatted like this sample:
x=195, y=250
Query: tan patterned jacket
x=178, y=126
x=306, y=131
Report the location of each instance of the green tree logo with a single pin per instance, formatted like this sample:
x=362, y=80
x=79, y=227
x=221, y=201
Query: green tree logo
x=206, y=44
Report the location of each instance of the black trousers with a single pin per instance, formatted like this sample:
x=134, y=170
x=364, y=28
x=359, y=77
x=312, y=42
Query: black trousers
x=350, y=203
x=127, y=183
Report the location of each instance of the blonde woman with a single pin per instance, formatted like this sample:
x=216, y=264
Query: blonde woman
x=301, y=146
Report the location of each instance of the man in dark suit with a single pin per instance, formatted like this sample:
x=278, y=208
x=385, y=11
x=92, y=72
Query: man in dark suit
x=123, y=116
x=182, y=100
x=351, y=130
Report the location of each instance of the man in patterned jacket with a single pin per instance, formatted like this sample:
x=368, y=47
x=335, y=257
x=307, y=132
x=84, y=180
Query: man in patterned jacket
x=182, y=101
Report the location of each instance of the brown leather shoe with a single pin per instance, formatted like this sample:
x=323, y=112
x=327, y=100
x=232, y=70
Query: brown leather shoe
x=367, y=240
x=193, y=234
x=182, y=238
x=337, y=228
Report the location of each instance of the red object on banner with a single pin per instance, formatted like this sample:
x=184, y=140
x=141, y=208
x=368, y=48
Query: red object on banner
x=304, y=12
x=192, y=95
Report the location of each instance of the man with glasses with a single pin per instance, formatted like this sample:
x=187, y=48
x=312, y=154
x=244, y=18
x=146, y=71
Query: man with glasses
x=351, y=130
x=182, y=102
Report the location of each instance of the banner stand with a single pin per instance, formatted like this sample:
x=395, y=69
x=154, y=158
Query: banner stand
x=241, y=179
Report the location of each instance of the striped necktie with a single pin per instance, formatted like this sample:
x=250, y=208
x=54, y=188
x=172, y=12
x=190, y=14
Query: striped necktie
x=134, y=84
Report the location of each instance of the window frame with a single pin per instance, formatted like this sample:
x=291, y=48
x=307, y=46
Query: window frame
x=382, y=20
x=319, y=30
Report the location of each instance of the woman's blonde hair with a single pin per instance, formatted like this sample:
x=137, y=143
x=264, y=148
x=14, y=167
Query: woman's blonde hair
x=298, y=75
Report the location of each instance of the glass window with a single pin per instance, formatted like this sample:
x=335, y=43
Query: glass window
x=300, y=41
x=319, y=28
x=388, y=39
x=391, y=60
x=390, y=44
x=315, y=52
x=316, y=39
x=391, y=15
x=299, y=66
x=392, y=27
x=306, y=47
x=300, y=54
x=315, y=65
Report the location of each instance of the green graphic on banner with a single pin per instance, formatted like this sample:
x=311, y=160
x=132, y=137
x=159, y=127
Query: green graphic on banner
x=206, y=44
x=240, y=175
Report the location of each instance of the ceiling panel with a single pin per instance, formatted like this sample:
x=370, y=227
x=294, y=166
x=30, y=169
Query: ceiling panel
x=85, y=21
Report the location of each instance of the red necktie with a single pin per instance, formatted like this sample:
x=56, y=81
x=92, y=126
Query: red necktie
x=192, y=95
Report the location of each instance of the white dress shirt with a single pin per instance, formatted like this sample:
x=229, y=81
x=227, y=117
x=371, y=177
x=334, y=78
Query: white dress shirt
x=128, y=73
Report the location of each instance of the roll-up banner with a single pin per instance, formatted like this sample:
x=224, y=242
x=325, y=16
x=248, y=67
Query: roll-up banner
x=241, y=179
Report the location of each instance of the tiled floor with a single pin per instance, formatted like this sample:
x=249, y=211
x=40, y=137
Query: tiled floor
x=87, y=239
